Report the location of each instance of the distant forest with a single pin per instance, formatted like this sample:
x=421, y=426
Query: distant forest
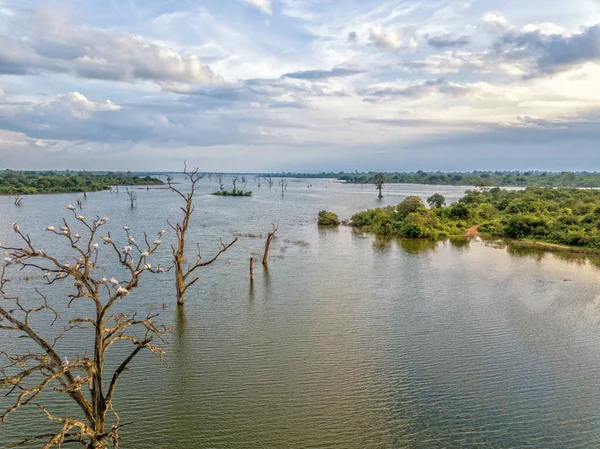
x=475, y=178
x=30, y=182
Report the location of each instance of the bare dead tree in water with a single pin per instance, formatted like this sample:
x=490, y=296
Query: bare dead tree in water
x=18, y=200
x=132, y=197
x=283, y=184
x=184, y=270
x=45, y=368
x=269, y=182
x=379, y=183
x=79, y=204
x=234, y=180
x=270, y=237
x=258, y=181
x=221, y=185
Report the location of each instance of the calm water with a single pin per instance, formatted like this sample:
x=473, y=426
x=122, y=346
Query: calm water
x=346, y=341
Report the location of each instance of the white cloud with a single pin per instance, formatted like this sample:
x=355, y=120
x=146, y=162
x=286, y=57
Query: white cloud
x=263, y=5
x=77, y=105
x=94, y=53
x=384, y=39
x=496, y=20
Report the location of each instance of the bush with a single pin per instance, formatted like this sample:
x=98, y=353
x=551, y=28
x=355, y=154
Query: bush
x=328, y=219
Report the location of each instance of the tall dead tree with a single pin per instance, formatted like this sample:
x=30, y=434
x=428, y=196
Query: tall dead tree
x=234, y=180
x=184, y=269
x=48, y=368
x=269, y=182
x=270, y=237
x=221, y=185
x=379, y=182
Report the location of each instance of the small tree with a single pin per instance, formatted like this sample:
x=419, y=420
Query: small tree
x=234, y=181
x=84, y=379
x=436, y=200
x=379, y=183
x=182, y=270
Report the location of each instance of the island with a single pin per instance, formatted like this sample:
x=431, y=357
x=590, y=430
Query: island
x=552, y=216
x=233, y=192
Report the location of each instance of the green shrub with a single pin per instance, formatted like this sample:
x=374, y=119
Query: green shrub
x=327, y=218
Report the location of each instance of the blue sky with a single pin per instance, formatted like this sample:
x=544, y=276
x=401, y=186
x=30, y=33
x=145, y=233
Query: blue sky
x=300, y=85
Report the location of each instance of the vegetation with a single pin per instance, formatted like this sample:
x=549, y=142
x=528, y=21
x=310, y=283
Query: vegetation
x=30, y=182
x=475, y=178
x=560, y=216
x=328, y=218
x=233, y=192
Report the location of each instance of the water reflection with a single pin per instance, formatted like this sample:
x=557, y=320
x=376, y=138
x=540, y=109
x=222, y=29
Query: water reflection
x=417, y=246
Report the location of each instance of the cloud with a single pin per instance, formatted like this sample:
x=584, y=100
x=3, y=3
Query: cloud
x=549, y=53
x=384, y=39
x=496, y=21
x=77, y=105
x=419, y=90
x=322, y=74
x=448, y=41
x=93, y=53
x=263, y=5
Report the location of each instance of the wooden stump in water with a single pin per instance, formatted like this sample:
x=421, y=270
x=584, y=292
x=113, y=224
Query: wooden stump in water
x=252, y=268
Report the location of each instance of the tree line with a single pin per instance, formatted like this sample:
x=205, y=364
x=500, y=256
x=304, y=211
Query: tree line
x=30, y=182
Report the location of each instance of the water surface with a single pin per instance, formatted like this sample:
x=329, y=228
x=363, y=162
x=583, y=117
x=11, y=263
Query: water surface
x=346, y=341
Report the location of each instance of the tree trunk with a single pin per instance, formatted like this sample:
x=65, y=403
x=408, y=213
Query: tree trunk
x=380, y=195
x=268, y=248
x=179, y=281
x=252, y=268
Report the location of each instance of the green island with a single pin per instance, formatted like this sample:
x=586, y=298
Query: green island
x=31, y=182
x=233, y=192
x=475, y=178
x=553, y=216
x=327, y=218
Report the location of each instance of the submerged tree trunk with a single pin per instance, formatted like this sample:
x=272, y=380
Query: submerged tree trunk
x=179, y=280
x=268, y=245
x=252, y=268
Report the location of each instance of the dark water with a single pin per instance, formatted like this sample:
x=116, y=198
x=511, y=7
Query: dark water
x=346, y=341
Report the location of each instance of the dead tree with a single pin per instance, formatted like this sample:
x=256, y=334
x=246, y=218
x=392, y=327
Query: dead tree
x=379, y=183
x=132, y=197
x=79, y=204
x=18, y=200
x=234, y=181
x=258, y=181
x=269, y=181
x=270, y=237
x=221, y=185
x=283, y=185
x=252, y=268
x=47, y=368
x=183, y=269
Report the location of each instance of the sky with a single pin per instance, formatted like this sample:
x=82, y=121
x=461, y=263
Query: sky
x=300, y=85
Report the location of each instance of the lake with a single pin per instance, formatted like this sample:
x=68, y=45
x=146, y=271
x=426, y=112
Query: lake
x=346, y=341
